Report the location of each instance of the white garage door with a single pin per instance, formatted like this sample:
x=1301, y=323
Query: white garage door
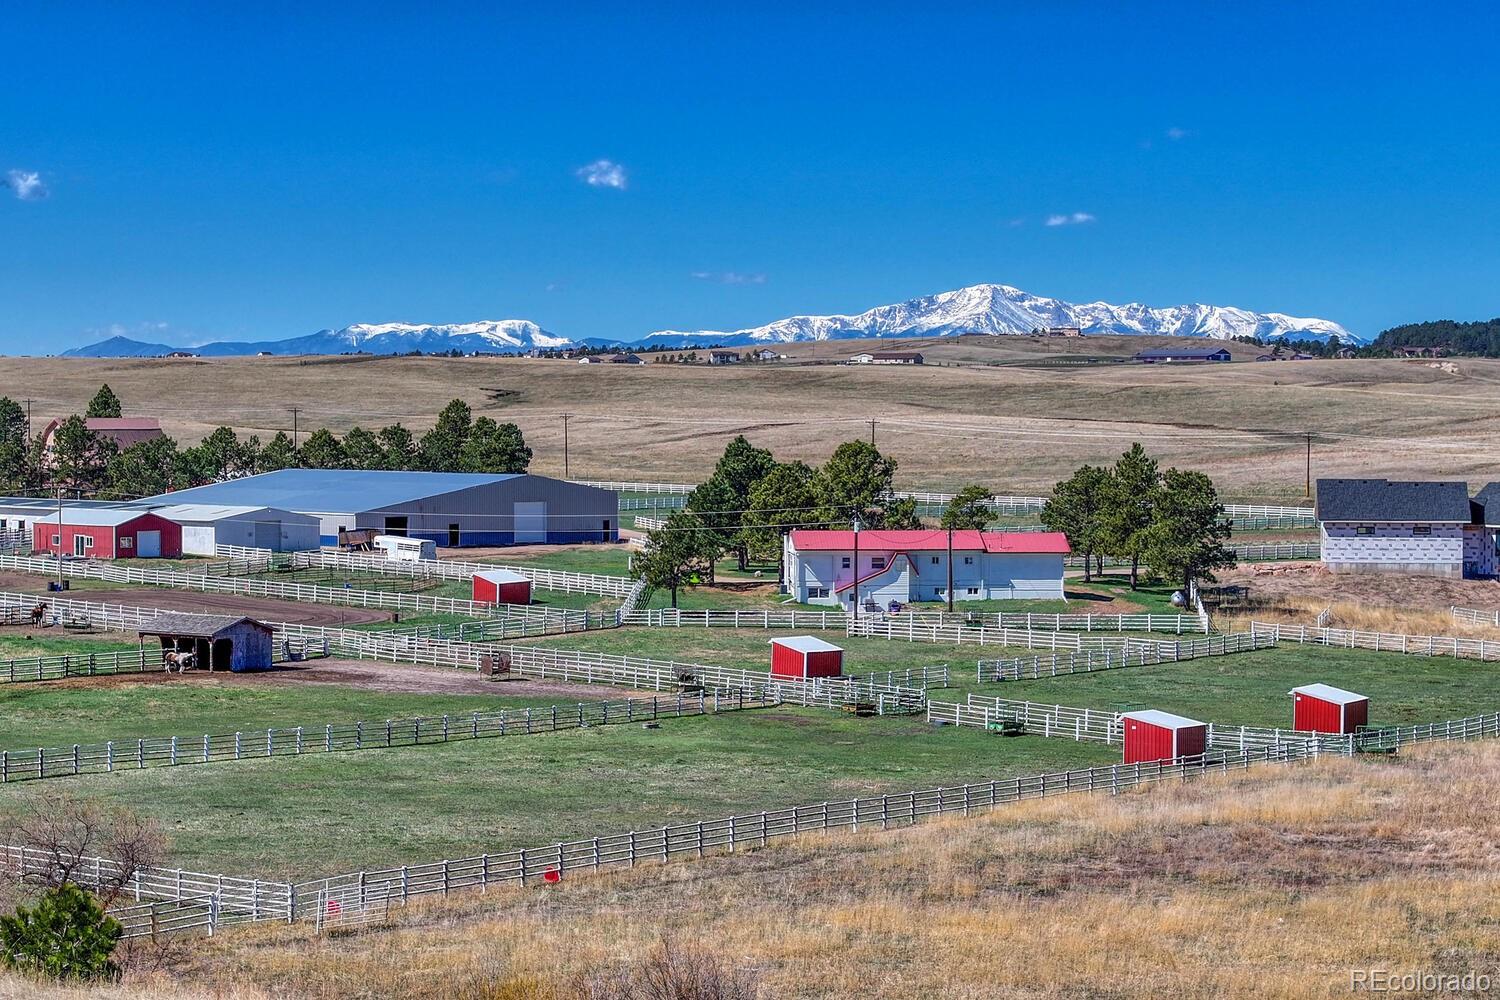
x=198, y=539
x=148, y=544
x=531, y=521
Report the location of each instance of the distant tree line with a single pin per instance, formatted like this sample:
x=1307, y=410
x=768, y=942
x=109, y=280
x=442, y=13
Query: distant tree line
x=1479, y=338
x=83, y=462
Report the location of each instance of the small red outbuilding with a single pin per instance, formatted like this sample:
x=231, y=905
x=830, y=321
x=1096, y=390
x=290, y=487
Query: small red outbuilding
x=107, y=533
x=803, y=656
x=501, y=586
x=1153, y=735
x=1323, y=708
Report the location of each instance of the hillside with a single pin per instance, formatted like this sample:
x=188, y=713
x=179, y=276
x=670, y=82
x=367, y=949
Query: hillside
x=1481, y=338
x=1273, y=883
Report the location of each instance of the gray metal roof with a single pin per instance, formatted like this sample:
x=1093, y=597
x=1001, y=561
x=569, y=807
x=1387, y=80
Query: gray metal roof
x=329, y=490
x=1384, y=500
x=195, y=626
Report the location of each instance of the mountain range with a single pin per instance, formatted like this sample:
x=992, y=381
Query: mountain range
x=978, y=309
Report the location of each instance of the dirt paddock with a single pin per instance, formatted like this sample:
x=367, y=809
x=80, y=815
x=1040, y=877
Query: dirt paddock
x=1272, y=581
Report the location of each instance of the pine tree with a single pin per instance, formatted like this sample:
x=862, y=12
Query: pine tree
x=399, y=448
x=362, y=450
x=277, y=454
x=1128, y=511
x=322, y=451
x=146, y=469
x=856, y=483
x=785, y=497
x=1076, y=508
x=442, y=447
x=80, y=457
x=104, y=404
x=968, y=510
x=1186, y=539
x=675, y=554
x=494, y=448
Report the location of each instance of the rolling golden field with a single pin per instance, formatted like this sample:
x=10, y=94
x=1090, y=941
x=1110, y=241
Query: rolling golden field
x=1001, y=411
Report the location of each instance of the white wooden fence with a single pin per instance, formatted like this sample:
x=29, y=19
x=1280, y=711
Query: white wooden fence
x=1386, y=642
x=917, y=631
x=824, y=620
x=1092, y=660
x=602, y=584
x=1474, y=616
x=294, y=741
x=174, y=900
x=545, y=620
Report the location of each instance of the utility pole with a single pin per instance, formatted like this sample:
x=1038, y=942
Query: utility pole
x=950, y=569
x=1309, y=466
x=855, y=584
x=566, y=417
x=295, y=411
x=872, y=433
x=57, y=549
x=28, y=403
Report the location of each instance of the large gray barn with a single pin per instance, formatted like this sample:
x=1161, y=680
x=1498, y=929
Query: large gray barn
x=450, y=508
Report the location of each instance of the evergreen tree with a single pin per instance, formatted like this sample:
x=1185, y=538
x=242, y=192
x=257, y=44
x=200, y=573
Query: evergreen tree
x=146, y=469
x=80, y=458
x=724, y=497
x=66, y=936
x=1128, y=512
x=277, y=454
x=856, y=482
x=968, y=510
x=676, y=554
x=1076, y=508
x=399, y=448
x=1186, y=539
x=15, y=449
x=322, y=451
x=494, y=448
x=220, y=457
x=362, y=450
x=104, y=404
x=442, y=447
x=783, y=498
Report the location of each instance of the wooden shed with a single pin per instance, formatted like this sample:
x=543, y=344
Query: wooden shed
x=219, y=642
x=501, y=586
x=1323, y=708
x=803, y=656
x=1153, y=735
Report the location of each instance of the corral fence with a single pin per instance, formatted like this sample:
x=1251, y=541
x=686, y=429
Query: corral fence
x=542, y=621
x=1092, y=660
x=294, y=741
x=183, y=900
x=453, y=569
x=15, y=540
x=1385, y=642
x=675, y=502
x=825, y=620
x=1474, y=616
x=917, y=631
x=1245, y=551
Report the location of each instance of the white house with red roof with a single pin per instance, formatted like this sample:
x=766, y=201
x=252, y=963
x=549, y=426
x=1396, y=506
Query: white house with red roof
x=905, y=566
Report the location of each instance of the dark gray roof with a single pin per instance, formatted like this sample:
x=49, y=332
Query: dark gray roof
x=1181, y=352
x=1384, y=500
x=1487, y=506
x=196, y=626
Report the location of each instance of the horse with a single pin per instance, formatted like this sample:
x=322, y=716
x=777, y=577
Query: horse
x=181, y=661
x=38, y=613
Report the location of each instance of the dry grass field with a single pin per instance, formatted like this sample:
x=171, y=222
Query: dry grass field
x=998, y=410
x=1272, y=883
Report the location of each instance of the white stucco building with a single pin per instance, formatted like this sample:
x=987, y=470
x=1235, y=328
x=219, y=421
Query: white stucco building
x=821, y=567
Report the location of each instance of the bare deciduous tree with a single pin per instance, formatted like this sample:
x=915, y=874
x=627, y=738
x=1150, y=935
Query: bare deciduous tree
x=673, y=973
x=70, y=831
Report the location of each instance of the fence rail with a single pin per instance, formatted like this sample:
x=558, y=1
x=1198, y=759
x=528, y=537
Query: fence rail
x=1390, y=642
x=1474, y=616
x=917, y=631
x=792, y=619
x=454, y=569
x=294, y=741
x=542, y=621
x=53, y=668
x=1092, y=660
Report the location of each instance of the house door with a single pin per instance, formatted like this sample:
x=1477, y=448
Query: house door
x=531, y=522
x=78, y=544
x=148, y=544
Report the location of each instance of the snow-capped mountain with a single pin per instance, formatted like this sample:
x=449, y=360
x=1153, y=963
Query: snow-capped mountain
x=506, y=336
x=1001, y=309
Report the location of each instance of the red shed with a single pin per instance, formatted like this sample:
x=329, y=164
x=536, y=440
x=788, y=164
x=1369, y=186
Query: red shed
x=1322, y=708
x=1153, y=735
x=804, y=656
x=107, y=533
x=501, y=586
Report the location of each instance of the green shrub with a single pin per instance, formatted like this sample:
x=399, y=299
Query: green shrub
x=67, y=935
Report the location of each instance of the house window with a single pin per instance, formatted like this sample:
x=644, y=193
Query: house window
x=56, y=539
x=1421, y=529
x=968, y=560
x=817, y=591
x=973, y=591
x=939, y=591
x=1364, y=529
x=844, y=563
x=88, y=541
x=934, y=558
x=127, y=543
x=877, y=562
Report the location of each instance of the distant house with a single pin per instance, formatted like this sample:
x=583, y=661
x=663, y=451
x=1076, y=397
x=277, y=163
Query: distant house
x=1183, y=355
x=1426, y=528
x=181, y=354
x=625, y=359
x=1344, y=352
x=1268, y=357
x=887, y=358
x=591, y=359
x=723, y=357
x=766, y=354
x=1421, y=352
x=1062, y=331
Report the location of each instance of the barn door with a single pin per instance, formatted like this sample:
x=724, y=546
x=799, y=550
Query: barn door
x=148, y=544
x=531, y=521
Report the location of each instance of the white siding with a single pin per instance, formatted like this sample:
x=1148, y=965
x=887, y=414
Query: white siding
x=1393, y=547
x=992, y=576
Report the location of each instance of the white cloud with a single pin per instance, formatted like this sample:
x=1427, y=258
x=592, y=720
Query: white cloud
x=1174, y=133
x=26, y=184
x=1074, y=219
x=603, y=173
x=730, y=277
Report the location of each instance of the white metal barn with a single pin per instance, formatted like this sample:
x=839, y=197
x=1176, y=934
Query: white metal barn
x=205, y=526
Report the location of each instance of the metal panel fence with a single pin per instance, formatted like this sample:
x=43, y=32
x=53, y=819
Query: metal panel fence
x=1092, y=660
x=294, y=741
x=1388, y=642
x=1474, y=616
x=602, y=584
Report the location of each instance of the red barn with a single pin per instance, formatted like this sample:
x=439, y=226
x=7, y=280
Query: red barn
x=107, y=533
x=1153, y=735
x=803, y=656
x=501, y=586
x=1322, y=708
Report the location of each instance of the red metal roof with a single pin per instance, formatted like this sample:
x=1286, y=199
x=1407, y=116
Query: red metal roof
x=932, y=539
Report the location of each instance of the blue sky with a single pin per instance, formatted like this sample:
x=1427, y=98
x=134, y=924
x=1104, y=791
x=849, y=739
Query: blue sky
x=267, y=174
